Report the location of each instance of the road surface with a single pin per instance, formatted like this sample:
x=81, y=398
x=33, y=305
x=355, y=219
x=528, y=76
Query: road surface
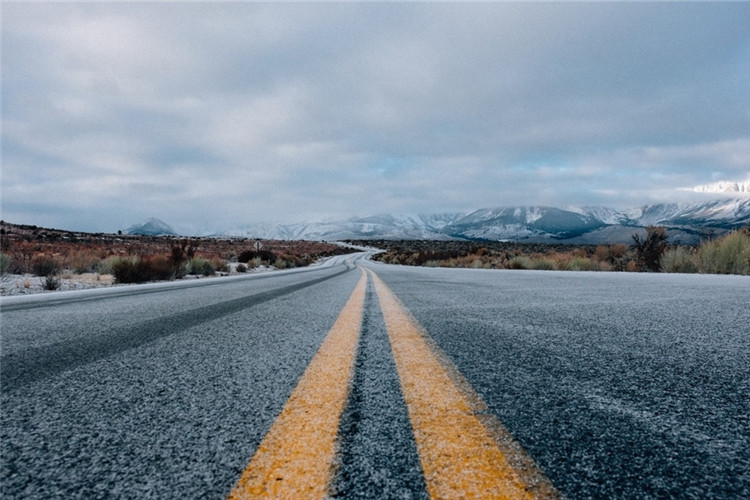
x=361, y=380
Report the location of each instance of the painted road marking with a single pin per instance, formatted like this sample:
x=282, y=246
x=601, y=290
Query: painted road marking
x=464, y=452
x=296, y=458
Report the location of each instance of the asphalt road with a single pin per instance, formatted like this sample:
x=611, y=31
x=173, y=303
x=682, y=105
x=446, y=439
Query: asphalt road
x=616, y=385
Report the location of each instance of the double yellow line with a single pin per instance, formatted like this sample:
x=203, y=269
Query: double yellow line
x=463, y=450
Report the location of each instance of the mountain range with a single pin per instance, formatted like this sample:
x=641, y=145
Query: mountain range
x=686, y=223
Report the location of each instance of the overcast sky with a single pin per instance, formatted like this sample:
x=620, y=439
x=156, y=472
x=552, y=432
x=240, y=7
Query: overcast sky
x=215, y=115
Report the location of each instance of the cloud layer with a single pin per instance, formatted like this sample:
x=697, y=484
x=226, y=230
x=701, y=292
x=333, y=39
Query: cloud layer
x=209, y=115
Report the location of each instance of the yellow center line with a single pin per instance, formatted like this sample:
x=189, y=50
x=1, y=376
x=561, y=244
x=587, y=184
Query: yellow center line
x=296, y=457
x=460, y=446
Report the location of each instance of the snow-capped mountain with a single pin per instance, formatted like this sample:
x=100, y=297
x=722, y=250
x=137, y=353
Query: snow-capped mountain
x=151, y=227
x=411, y=227
x=725, y=214
x=686, y=222
x=724, y=187
x=524, y=223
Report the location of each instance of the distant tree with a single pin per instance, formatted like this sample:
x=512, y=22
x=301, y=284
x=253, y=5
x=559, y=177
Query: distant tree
x=651, y=248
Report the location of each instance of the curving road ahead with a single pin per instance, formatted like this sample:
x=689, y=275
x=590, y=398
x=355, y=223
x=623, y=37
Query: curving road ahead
x=611, y=386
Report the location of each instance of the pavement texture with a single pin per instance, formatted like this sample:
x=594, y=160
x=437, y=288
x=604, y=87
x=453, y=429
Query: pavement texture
x=617, y=385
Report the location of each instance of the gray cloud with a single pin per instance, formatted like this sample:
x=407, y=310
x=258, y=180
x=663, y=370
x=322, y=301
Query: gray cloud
x=209, y=115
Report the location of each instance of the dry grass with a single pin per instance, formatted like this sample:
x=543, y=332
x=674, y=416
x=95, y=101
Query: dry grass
x=51, y=252
x=506, y=255
x=727, y=255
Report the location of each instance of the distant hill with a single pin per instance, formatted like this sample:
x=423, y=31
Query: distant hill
x=151, y=227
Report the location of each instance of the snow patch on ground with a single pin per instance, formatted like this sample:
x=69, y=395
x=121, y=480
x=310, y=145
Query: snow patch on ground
x=28, y=284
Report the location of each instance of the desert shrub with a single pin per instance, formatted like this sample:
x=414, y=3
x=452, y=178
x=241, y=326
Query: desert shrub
x=42, y=265
x=281, y=263
x=199, y=265
x=219, y=265
x=241, y=268
x=81, y=261
x=727, y=255
x=678, y=260
x=288, y=261
x=20, y=257
x=610, y=253
x=574, y=261
x=129, y=270
x=602, y=253
x=707, y=257
x=5, y=263
x=263, y=255
x=140, y=269
x=478, y=264
x=544, y=265
x=179, y=253
x=614, y=256
x=246, y=255
x=104, y=266
x=519, y=262
x=582, y=264
x=393, y=258
x=51, y=282
x=159, y=268
x=254, y=262
x=651, y=247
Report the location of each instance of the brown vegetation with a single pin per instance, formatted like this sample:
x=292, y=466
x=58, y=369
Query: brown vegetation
x=727, y=255
x=505, y=255
x=130, y=258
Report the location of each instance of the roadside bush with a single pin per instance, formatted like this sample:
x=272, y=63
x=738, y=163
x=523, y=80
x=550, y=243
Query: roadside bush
x=179, y=253
x=19, y=258
x=129, y=270
x=479, y=264
x=281, y=263
x=287, y=261
x=544, y=265
x=159, y=268
x=263, y=256
x=241, y=268
x=254, y=262
x=5, y=263
x=138, y=269
x=201, y=266
x=727, y=255
x=51, y=282
x=44, y=266
x=678, y=260
x=615, y=256
x=520, y=262
x=221, y=265
x=582, y=264
x=104, y=266
x=81, y=261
